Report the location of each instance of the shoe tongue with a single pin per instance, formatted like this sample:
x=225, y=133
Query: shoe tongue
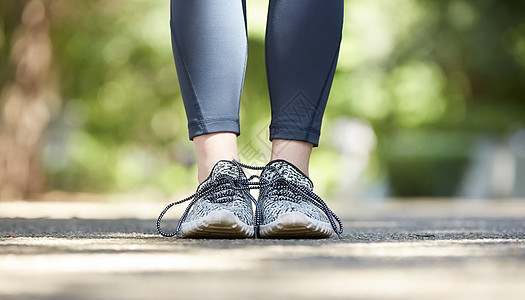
x=224, y=167
x=284, y=169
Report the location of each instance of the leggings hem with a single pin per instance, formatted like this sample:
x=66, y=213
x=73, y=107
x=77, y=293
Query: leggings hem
x=206, y=127
x=311, y=136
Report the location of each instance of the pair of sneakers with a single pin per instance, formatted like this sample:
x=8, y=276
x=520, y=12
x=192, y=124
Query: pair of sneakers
x=286, y=206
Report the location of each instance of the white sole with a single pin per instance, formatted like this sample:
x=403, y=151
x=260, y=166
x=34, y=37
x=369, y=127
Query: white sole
x=219, y=224
x=296, y=225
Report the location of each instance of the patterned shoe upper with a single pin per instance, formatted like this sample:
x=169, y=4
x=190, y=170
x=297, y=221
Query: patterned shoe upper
x=279, y=197
x=283, y=188
x=224, y=189
x=224, y=196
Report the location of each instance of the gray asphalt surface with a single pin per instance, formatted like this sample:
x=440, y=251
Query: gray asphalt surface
x=405, y=250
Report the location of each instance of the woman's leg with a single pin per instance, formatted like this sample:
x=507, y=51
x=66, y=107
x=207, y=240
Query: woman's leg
x=210, y=48
x=295, y=152
x=302, y=46
x=211, y=148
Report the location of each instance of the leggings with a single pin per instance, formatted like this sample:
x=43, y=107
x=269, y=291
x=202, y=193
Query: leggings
x=209, y=40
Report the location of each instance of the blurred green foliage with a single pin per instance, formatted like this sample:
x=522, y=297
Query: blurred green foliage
x=414, y=70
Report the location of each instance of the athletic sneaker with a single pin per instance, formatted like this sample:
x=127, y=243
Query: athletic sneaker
x=221, y=207
x=288, y=208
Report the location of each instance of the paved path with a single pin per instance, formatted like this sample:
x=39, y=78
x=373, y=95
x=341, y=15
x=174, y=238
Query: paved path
x=438, y=249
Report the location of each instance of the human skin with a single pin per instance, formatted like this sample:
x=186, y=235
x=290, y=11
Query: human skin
x=212, y=147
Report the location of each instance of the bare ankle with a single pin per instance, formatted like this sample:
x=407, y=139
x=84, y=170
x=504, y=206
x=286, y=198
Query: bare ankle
x=211, y=148
x=294, y=152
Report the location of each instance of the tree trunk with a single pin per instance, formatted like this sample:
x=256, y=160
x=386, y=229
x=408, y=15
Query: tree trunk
x=24, y=104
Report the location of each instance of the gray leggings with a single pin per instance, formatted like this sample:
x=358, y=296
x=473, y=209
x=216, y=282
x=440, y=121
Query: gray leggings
x=210, y=49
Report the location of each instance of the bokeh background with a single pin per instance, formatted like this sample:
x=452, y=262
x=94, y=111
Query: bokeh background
x=427, y=101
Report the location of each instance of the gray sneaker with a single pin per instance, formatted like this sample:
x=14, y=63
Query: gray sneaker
x=221, y=207
x=288, y=208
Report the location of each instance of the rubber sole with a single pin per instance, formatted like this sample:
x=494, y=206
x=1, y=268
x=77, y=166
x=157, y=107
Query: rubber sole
x=295, y=225
x=219, y=224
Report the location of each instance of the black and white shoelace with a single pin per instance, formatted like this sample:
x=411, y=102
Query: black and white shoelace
x=291, y=192
x=222, y=190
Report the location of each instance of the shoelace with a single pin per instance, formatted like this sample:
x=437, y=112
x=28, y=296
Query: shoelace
x=221, y=192
x=290, y=192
